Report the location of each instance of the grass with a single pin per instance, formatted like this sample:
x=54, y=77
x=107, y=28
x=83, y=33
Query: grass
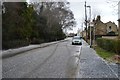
x=109, y=56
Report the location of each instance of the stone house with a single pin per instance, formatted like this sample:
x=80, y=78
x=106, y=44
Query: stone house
x=83, y=33
x=111, y=27
x=102, y=29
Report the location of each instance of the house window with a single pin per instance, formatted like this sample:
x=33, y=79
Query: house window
x=109, y=27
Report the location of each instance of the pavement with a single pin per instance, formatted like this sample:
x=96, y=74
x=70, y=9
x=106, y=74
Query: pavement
x=59, y=60
x=93, y=66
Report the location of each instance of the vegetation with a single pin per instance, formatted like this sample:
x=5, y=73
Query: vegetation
x=107, y=55
x=24, y=24
x=109, y=45
x=103, y=53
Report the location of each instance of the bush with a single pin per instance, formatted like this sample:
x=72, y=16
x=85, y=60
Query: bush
x=14, y=44
x=109, y=45
x=37, y=41
x=117, y=47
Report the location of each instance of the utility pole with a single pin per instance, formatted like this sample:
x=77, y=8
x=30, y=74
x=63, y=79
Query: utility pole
x=86, y=20
x=82, y=30
x=94, y=34
x=90, y=29
x=90, y=25
x=119, y=19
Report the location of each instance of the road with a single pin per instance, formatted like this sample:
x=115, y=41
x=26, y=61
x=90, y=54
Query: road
x=61, y=60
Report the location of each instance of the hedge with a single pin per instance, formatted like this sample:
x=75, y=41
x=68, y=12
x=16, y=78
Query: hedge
x=37, y=41
x=109, y=45
x=14, y=44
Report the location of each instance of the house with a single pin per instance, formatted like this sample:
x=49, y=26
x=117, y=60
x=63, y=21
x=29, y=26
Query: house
x=99, y=26
x=71, y=34
x=83, y=34
x=102, y=29
x=111, y=27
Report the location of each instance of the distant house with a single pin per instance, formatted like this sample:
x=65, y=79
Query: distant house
x=71, y=34
x=102, y=29
x=83, y=33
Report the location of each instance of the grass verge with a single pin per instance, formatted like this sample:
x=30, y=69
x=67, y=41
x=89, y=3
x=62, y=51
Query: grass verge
x=109, y=56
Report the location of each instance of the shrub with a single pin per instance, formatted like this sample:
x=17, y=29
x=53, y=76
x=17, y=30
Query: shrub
x=37, y=41
x=14, y=44
x=117, y=46
x=109, y=45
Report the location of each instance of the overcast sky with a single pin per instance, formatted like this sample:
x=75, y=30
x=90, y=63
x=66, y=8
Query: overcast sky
x=106, y=8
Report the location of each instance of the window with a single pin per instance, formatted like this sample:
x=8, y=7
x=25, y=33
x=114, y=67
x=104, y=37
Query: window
x=110, y=27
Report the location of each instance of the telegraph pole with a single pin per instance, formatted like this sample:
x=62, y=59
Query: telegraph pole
x=82, y=30
x=86, y=20
x=90, y=25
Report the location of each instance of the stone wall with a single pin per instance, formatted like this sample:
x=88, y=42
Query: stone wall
x=110, y=37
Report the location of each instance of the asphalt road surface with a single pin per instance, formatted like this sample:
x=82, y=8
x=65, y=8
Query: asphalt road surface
x=61, y=60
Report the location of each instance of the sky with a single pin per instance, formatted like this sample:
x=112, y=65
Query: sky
x=107, y=9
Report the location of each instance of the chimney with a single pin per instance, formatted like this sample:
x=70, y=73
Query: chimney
x=98, y=17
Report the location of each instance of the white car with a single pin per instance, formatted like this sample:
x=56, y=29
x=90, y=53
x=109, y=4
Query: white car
x=77, y=40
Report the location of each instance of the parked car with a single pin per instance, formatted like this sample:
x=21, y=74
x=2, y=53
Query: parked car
x=77, y=40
